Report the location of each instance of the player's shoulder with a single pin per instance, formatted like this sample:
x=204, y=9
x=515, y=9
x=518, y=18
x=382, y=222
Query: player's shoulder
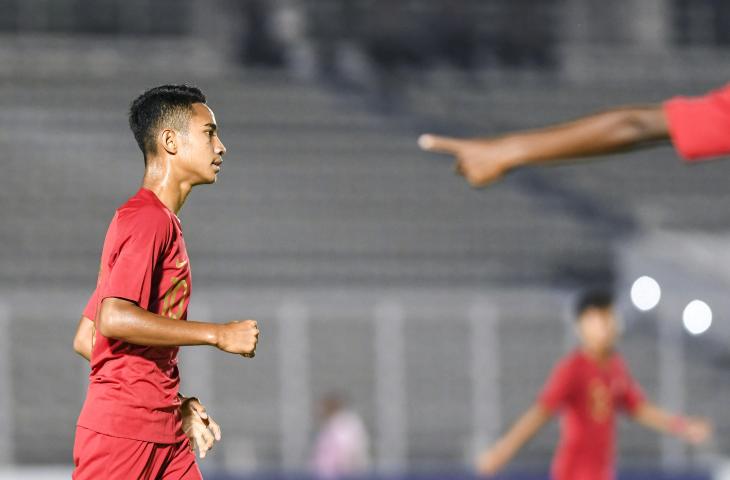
x=571, y=361
x=141, y=211
x=719, y=97
x=575, y=357
x=724, y=91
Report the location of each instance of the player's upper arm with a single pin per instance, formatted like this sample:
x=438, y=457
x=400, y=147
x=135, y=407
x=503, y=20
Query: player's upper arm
x=110, y=311
x=700, y=126
x=632, y=397
x=143, y=237
x=84, y=338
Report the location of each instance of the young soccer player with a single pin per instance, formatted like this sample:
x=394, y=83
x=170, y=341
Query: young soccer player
x=698, y=128
x=134, y=422
x=588, y=388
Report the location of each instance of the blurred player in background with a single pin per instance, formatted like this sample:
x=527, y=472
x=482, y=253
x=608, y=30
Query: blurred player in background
x=343, y=445
x=698, y=128
x=588, y=388
x=134, y=423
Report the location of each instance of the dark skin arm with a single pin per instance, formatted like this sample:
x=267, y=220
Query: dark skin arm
x=126, y=321
x=485, y=160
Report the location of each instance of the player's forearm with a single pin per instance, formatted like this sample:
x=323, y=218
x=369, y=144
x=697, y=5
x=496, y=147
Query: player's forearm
x=652, y=417
x=602, y=133
x=522, y=431
x=690, y=429
x=126, y=321
x=658, y=419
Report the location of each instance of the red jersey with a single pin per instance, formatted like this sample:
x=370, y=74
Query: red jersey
x=133, y=389
x=588, y=395
x=700, y=127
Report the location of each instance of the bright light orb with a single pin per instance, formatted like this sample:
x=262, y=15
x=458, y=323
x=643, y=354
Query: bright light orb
x=645, y=293
x=697, y=317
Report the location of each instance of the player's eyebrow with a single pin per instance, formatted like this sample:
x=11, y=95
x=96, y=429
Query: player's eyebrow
x=212, y=126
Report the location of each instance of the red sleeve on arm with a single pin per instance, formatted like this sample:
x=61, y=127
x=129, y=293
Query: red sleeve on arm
x=700, y=126
x=633, y=396
x=90, y=310
x=558, y=387
x=142, y=238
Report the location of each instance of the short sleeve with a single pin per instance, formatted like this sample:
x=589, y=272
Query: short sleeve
x=632, y=396
x=90, y=310
x=558, y=388
x=141, y=239
x=700, y=126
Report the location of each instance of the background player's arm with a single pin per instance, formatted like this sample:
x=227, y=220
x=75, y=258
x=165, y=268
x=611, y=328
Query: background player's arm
x=499, y=455
x=83, y=340
x=693, y=430
x=483, y=161
x=125, y=320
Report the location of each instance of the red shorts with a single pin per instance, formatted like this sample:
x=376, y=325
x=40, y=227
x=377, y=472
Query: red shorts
x=98, y=456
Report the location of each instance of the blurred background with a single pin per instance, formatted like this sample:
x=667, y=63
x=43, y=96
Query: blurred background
x=380, y=280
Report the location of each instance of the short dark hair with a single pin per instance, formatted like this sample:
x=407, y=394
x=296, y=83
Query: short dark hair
x=601, y=299
x=163, y=106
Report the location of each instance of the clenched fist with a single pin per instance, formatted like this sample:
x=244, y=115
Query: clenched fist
x=239, y=337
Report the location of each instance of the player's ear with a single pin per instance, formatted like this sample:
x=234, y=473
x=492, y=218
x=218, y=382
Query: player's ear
x=168, y=140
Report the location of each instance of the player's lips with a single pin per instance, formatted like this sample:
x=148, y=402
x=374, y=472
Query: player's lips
x=217, y=165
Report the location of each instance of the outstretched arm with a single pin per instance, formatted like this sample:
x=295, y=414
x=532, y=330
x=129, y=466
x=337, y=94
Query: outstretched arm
x=689, y=429
x=485, y=160
x=497, y=457
x=125, y=320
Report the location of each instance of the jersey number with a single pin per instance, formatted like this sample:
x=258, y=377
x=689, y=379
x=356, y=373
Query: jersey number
x=174, y=305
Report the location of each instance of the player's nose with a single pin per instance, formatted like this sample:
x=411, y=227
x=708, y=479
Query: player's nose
x=220, y=149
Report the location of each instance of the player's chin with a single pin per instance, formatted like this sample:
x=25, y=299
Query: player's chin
x=204, y=181
x=210, y=176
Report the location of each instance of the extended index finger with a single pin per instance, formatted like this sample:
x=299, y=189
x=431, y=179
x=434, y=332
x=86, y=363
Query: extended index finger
x=436, y=143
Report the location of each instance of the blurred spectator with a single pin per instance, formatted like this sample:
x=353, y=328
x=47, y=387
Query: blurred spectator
x=455, y=28
x=527, y=33
x=395, y=37
x=342, y=446
x=702, y=22
x=260, y=45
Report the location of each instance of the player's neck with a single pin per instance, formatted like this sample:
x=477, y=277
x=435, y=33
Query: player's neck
x=171, y=191
x=599, y=356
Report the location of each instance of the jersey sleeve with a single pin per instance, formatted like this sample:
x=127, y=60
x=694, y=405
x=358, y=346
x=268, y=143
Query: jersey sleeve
x=558, y=388
x=632, y=395
x=142, y=237
x=90, y=309
x=700, y=126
